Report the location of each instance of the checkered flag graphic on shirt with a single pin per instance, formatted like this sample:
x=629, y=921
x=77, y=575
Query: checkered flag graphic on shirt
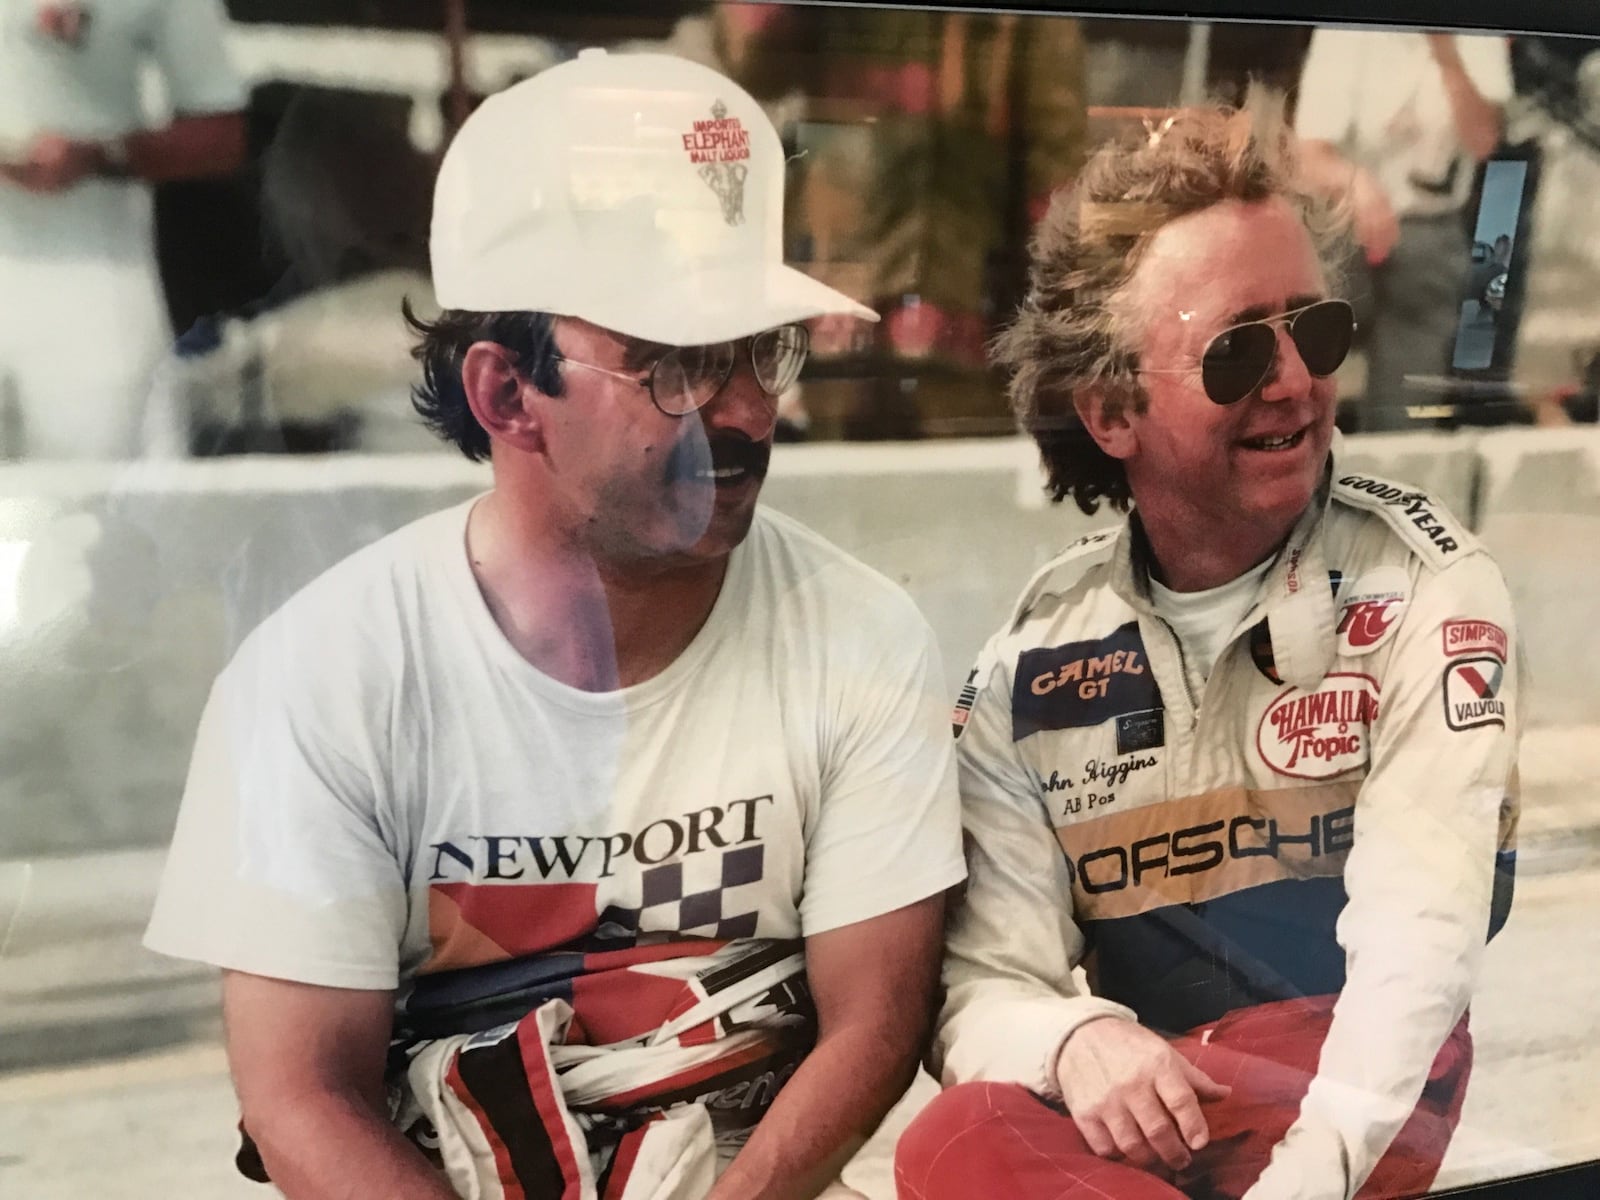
x=705, y=895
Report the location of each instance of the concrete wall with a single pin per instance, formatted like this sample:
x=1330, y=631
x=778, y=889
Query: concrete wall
x=124, y=589
x=1540, y=516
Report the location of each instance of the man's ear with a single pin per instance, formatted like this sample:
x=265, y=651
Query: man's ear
x=1107, y=422
x=503, y=400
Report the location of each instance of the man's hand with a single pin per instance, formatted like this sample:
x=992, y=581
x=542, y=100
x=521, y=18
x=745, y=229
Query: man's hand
x=53, y=164
x=1443, y=46
x=1377, y=225
x=1133, y=1096
x=1479, y=122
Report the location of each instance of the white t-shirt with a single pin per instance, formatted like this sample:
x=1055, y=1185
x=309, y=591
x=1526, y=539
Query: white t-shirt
x=383, y=787
x=1379, y=97
x=1205, y=622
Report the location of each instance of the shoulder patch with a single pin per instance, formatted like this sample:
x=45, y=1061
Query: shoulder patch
x=965, y=699
x=1370, y=611
x=1475, y=637
x=1065, y=570
x=1427, y=527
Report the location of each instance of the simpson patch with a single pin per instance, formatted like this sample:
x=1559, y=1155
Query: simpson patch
x=1475, y=637
x=1082, y=684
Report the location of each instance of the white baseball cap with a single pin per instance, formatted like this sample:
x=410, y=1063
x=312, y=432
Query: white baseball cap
x=641, y=192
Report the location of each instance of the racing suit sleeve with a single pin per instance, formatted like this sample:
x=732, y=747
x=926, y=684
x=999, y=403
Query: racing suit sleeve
x=1010, y=999
x=1435, y=813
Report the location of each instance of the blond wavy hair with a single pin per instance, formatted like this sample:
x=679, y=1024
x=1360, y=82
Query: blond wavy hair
x=1071, y=330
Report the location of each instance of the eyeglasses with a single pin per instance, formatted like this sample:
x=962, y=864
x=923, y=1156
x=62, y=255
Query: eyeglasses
x=687, y=378
x=1238, y=360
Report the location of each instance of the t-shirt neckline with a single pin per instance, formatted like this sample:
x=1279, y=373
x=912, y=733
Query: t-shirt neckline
x=463, y=585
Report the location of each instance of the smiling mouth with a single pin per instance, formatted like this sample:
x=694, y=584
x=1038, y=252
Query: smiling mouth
x=732, y=462
x=726, y=477
x=1278, y=442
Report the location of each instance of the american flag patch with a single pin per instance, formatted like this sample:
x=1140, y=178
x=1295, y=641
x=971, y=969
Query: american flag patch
x=964, y=703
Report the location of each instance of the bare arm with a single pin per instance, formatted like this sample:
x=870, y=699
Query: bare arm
x=1478, y=121
x=873, y=983
x=1377, y=227
x=189, y=148
x=308, y=1064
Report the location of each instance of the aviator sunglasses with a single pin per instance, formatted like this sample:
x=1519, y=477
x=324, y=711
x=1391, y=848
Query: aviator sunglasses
x=1240, y=358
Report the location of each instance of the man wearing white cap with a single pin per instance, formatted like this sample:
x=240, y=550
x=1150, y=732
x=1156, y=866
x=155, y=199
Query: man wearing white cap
x=544, y=841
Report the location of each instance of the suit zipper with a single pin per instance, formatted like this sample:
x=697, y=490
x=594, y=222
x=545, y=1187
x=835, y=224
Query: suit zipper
x=1183, y=665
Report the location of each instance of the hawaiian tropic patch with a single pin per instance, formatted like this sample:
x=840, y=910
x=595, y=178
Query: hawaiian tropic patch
x=1472, y=693
x=1082, y=684
x=1320, y=733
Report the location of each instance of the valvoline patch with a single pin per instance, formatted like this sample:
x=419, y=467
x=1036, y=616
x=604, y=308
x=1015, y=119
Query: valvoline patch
x=1082, y=684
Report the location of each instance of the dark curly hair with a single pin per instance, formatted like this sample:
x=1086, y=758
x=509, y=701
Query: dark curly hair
x=442, y=344
x=1071, y=332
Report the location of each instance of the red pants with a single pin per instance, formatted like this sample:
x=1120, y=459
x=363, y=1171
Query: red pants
x=999, y=1139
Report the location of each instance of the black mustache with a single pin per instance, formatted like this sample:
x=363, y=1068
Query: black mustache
x=690, y=456
x=731, y=450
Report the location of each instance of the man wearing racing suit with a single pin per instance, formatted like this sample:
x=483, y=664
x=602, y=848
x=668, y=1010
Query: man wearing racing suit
x=1248, y=758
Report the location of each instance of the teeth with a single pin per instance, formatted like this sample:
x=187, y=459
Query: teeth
x=1277, y=443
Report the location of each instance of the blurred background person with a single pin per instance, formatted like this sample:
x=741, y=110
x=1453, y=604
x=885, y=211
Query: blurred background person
x=1401, y=121
x=319, y=363
x=932, y=141
x=85, y=319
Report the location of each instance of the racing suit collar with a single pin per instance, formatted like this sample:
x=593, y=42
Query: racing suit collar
x=1295, y=597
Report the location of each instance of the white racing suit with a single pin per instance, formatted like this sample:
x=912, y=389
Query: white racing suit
x=1334, y=812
